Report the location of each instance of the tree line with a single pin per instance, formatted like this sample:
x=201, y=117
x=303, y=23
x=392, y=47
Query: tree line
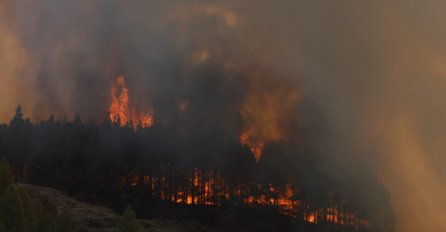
x=99, y=161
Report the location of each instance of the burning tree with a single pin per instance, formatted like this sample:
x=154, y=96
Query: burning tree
x=120, y=110
x=160, y=163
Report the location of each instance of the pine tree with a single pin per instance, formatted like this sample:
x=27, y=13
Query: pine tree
x=127, y=222
x=18, y=117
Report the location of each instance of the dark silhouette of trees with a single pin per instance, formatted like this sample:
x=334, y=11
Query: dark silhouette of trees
x=17, y=142
x=112, y=164
x=17, y=120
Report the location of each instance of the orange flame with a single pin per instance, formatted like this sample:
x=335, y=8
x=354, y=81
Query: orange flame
x=209, y=188
x=311, y=218
x=119, y=110
x=256, y=147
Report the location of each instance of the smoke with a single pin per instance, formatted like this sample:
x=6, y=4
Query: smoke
x=364, y=80
x=14, y=63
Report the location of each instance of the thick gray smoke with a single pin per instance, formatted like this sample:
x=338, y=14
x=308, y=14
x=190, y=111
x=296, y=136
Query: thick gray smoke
x=371, y=74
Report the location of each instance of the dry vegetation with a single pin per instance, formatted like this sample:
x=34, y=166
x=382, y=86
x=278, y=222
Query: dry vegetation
x=97, y=218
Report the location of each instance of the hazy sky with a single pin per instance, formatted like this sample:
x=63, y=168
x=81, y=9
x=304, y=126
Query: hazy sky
x=376, y=70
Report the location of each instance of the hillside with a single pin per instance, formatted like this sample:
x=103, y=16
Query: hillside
x=97, y=218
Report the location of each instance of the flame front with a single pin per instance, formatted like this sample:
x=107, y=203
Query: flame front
x=211, y=188
x=120, y=111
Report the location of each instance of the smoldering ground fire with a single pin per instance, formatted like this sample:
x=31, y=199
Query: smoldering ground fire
x=324, y=89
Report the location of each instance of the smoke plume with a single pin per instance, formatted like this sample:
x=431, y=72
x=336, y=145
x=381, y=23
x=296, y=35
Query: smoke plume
x=362, y=82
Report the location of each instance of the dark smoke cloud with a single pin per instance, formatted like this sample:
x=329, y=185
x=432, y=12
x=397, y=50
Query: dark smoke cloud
x=369, y=76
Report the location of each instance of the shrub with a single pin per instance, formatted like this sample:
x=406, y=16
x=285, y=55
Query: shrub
x=127, y=222
x=11, y=208
x=5, y=176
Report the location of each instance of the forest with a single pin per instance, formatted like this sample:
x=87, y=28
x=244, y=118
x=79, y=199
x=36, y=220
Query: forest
x=113, y=164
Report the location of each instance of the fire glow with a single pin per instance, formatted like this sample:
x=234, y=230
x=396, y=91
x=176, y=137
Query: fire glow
x=210, y=188
x=256, y=147
x=120, y=111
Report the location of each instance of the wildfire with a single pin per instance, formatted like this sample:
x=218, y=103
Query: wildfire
x=256, y=147
x=120, y=111
x=209, y=188
x=267, y=107
x=311, y=218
